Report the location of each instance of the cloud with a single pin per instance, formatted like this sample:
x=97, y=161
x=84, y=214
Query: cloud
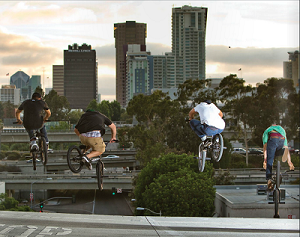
x=257, y=64
x=22, y=51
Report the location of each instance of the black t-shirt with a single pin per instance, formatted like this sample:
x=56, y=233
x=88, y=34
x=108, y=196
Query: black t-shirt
x=33, y=118
x=92, y=120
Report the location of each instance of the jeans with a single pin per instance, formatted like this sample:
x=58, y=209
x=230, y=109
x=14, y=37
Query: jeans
x=202, y=129
x=274, y=148
x=42, y=130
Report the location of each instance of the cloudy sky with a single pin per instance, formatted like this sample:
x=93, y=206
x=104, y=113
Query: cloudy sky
x=33, y=35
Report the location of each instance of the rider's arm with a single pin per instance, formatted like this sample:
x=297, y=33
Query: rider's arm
x=18, y=112
x=192, y=114
x=48, y=114
x=113, y=132
x=221, y=114
x=76, y=131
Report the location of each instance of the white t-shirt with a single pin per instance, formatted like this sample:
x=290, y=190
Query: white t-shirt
x=209, y=114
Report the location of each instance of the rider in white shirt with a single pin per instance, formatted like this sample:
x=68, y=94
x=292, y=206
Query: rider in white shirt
x=211, y=122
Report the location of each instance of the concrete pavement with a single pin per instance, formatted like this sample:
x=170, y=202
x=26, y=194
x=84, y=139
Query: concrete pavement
x=57, y=224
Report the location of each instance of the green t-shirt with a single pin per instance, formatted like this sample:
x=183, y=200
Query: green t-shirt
x=276, y=128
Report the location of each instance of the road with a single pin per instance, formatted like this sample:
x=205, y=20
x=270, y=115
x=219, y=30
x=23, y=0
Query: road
x=89, y=202
x=30, y=224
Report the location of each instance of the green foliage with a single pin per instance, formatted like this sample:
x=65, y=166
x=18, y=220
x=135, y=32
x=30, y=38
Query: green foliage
x=4, y=147
x=224, y=178
x=7, y=203
x=9, y=168
x=112, y=110
x=1, y=112
x=74, y=116
x=173, y=184
x=13, y=155
x=59, y=106
x=19, y=147
x=8, y=109
x=62, y=125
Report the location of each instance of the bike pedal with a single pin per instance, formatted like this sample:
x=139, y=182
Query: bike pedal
x=281, y=202
x=270, y=202
x=207, y=158
x=196, y=157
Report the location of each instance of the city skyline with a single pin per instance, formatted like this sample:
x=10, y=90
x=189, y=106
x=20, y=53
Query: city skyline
x=254, y=36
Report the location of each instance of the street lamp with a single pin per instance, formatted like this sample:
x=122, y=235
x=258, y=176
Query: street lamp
x=31, y=197
x=143, y=208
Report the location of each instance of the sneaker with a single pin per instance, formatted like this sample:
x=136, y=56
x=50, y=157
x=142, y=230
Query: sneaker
x=87, y=162
x=203, y=138
x=270, y=185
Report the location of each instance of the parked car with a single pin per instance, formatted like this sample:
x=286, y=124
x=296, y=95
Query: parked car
x=241, y=151
x=255, y=151
x=111, y=156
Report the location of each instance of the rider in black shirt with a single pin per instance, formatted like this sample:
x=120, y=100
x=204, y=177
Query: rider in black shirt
x=90, y=129
x=33, y=118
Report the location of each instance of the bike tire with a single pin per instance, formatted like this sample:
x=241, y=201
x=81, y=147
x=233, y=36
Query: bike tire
x=201, y=157
x=278, y=175
x=99, y=173
x=74, y=159
x=276, y=201
x=43, y=150
x=217, y=147
x=33, y=154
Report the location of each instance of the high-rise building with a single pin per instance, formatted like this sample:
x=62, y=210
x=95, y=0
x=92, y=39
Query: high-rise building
x=291, y=68
x=80, y=75
x=137, y=68
x=126, y=33
x=10, y=93
x=20, y=79
x=58, y=79
x=34, y=82
x=188, y=42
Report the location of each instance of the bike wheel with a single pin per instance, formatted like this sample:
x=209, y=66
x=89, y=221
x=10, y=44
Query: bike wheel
x=201, y=157
x=74, y=159
x=33, y=154
x=217, y=147
x=43, y=150
x=276, y=201
x=278, y=175
x=99, y=173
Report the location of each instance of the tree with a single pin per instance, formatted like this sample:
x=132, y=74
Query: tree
x=74, y=116
x=173, y=185
x=1, y=110
x=39, y=90
x=7, y=203
x=58, y=105
x=9, y=110
x=112, y=110
x=238, y=104
x=276, y=100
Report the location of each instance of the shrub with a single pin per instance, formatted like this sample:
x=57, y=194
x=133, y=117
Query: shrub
x=224, y=178
x=13, y=155
x=173, y=185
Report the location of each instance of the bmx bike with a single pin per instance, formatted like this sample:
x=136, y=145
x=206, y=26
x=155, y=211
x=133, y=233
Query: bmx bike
x=76, y=162
x=214, y=145
x=42, y=152
x=277, y=179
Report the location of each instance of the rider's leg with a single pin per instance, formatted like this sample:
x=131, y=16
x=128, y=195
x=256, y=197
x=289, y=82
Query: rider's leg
x=198, y=128
x=44, y=131
x=33, y=144
x=97, y=145
x=273, y=145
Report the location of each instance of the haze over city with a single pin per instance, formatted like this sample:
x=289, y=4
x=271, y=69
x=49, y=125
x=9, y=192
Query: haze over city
x=252, y=35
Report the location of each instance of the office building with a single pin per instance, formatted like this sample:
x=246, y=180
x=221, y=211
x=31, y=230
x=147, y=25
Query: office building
x=80, y=75
x=20, y=79
x=34, y=82
x=137, y=70
x=126, y=33
x=58, y=79
x=188, y=43
x=10, y=93
x=291, y=68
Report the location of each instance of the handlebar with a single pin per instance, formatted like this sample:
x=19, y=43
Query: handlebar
x=45, y=121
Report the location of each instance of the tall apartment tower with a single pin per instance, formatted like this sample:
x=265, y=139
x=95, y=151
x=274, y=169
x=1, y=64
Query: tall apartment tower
x=291, y=68
x=126, y=33
x=80, y=75
x=58, y=79
x=188, y=42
